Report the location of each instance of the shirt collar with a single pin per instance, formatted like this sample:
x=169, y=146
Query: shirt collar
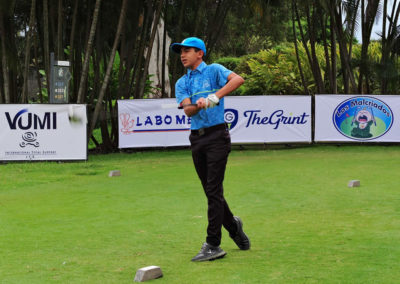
x=199, y=68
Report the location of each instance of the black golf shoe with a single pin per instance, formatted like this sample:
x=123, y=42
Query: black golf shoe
x=240, y=237
x=209, y=252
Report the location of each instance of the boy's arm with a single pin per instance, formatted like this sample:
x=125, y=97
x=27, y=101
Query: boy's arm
x=189, y=108
x=234, y=82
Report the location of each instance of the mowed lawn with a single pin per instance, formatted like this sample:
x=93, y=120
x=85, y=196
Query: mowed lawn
x=71, y=223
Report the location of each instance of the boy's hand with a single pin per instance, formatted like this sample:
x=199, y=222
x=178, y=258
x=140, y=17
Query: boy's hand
x=211, y=101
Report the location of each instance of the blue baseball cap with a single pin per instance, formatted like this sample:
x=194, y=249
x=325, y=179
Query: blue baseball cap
x=189, y=42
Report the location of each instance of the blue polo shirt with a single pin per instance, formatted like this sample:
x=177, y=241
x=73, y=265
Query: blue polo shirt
x=204, y=80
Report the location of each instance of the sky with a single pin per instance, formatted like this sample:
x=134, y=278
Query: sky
x=377, y=28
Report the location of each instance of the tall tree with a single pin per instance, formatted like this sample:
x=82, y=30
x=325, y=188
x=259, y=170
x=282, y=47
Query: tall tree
x=293, y=4
x=46, y=43
x=388, y=72
x=60, y=52
x=310, y=42
x=28, y=51
x=88, y=52
x=150, y=46
x=109, y=68
x=335, y=9
x=6, y=36
x=368, y=13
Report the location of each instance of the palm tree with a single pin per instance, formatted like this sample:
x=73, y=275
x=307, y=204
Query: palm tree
x=150, y=46
x=27, y=51
x=388, y=72
x=46, y=47
x=6, y=78
x=368, y=14
x=343, y=36
x=8, y=57
x=109, y=68
x=297, y=48
x=312, y=16
x=60, y=53
x=85, y=68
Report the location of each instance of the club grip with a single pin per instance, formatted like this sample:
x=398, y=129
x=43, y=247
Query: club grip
x=182, y=106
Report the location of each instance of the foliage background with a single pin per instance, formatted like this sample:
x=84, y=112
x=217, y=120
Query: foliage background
x=279, y=47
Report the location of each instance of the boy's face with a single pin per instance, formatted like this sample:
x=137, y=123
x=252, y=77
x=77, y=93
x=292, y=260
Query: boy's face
x=191, y=58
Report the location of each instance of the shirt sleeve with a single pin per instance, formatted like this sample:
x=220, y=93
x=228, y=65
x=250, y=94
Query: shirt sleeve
x=222, y=74
x=181, y=92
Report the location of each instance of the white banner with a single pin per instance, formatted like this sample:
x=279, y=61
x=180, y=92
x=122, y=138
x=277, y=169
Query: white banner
x=256, y=119
x=269, y=119
x=146, y=123
x=42, y=132
x=357, y=118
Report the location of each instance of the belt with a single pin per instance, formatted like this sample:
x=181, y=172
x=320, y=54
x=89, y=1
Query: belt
x=202, y=131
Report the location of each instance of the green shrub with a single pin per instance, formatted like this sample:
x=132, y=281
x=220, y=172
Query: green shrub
x=229, y=62
x=276, y=71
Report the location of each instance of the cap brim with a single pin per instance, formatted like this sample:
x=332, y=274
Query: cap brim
x=176, y=47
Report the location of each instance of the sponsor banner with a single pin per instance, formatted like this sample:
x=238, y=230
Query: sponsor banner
x=269, y=119
x=147, y=123
x=357, y=118
x=42, y=132
x=253, y=119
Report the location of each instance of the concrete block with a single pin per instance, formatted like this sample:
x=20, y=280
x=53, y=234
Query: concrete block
x=114, y=173
x=148, y=273
x=354, y=183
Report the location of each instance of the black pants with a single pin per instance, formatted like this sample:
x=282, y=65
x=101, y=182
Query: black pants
x=210, y=154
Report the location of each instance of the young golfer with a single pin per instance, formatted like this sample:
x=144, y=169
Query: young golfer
x=201, y=93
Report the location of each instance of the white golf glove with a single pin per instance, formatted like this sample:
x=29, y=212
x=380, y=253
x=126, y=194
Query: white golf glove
x=212, y=100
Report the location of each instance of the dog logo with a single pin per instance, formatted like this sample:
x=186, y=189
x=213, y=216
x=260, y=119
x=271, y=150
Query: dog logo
x=363, y=118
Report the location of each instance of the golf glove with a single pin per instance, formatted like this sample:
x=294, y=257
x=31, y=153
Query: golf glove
x=212, y=100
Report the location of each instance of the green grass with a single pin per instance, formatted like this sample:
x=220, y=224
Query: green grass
x=71, y=223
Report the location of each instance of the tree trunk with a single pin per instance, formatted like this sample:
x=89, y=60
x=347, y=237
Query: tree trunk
x=344, y=54
x=368, y=18
x=109, y=68
x=303, y=40
x=333, y=59
x=389, y=38
x=73, y=28
x=216, y=30
x=2, y=98
x=85, y=70
x=328, y=73
x=72, y=43
x=150, y=47
x=28, y=52
x=312, y=19
x=164, y=43
x=303, y=81
x=60, y=51
x=138, y=67
x=175, y=70
x=38, y=75
x=46, y=47
x=5, y=69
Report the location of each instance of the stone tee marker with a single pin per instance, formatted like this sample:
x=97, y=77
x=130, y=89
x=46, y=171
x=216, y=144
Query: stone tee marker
x=114, y=173
x=148, y=273
x=354, y=183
